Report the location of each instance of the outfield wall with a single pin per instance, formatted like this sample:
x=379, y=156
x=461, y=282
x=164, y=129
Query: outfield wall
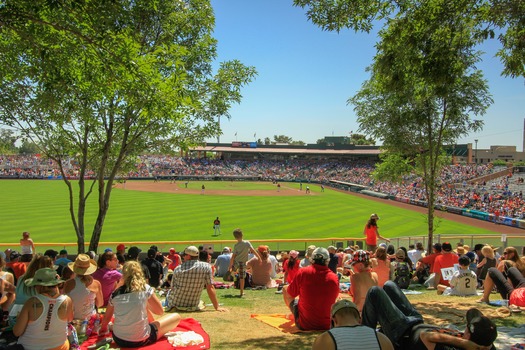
x=474, y=214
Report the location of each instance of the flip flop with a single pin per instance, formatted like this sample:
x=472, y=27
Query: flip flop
x=514, y=309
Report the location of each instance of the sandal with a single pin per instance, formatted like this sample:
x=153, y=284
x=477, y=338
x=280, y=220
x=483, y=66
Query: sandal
x=514, y=309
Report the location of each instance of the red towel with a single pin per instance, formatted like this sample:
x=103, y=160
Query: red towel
x=187, y=324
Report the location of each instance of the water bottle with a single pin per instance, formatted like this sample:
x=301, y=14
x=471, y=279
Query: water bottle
x=83, y=327
x=72, y=337
x=96, y=325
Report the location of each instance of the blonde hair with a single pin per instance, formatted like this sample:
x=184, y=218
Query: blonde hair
x=487, y=251
x=133, y=276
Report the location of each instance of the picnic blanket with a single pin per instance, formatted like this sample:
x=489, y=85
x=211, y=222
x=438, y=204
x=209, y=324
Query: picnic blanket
x=185, y=325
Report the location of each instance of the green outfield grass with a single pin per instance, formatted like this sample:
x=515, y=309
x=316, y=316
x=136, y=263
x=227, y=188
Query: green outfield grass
x=41, y=207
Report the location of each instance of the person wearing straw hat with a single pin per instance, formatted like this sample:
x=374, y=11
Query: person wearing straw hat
x=42, y=323
x=348, y=333
x=83, y=289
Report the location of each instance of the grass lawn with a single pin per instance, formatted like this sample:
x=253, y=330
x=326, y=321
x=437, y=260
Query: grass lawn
x=41, y=207
x=237, y=330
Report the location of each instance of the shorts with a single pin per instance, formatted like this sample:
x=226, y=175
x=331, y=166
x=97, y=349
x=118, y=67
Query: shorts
x=294, y=308
x=241, y=269
x=137, y=344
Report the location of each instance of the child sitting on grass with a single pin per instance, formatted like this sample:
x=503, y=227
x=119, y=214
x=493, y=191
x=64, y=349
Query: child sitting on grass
x=463, y=282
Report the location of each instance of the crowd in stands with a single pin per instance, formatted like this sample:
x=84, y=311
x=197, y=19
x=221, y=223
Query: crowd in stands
x=130, y=288
x=501, y=197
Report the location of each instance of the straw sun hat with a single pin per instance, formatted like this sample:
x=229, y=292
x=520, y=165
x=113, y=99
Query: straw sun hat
x=83, y=265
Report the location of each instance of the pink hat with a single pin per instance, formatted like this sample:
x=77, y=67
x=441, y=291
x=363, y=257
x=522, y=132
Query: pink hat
x=293, y=253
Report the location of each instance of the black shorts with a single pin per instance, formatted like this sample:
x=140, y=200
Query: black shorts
x=137, y=344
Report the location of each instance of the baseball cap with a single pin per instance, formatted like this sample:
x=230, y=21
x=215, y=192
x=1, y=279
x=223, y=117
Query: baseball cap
x=374, y=216
x=471, y=256
x=154, y=247
x=341, y=304
x=382, y=245
x=63, y=251
x=151, y=253
x=108, y=250
x=331, y=247
x=121, y=247
x=437, y=246
x=446, y=246
x=191, y=251
x=172, y=250
x=400, y=254
x=134, y=251
x=482, y=330
x=262, y=248
x=293, y=253
x=14, y=254
x=478, y=246
x=350, y=248
x=320, y=253
x=360, y=256
x=226, y=250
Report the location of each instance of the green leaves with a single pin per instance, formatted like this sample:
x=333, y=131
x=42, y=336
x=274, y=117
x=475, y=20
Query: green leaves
x=103, y=81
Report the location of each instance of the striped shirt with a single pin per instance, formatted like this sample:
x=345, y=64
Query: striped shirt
x=354, y=337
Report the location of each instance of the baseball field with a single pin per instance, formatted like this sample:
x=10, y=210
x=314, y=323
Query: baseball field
x=146, y=211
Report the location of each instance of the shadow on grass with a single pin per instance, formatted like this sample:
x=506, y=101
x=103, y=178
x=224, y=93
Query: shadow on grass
x=297, y=342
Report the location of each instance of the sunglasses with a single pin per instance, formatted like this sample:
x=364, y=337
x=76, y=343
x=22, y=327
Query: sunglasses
x=505, y=253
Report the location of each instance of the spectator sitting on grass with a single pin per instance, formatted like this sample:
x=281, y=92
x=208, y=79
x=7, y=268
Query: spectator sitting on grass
x=362, y=279
x=261, y=269
x=107, y=274
x=404, y=326
x=348, y=333
x=187, y=282
x=83, y=289
x=42, y=322
x=317, y=288
x=463, y=282
x=222, y=263
x=511, y=286
x=381, y=266
x=133, y=305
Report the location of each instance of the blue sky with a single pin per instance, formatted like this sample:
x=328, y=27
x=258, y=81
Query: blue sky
x=306, y=75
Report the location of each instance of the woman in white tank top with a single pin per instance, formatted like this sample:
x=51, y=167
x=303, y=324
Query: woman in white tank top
x=84, y=291
x=42, y=323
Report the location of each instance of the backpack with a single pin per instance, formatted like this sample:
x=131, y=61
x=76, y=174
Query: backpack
x=247, y=281
x=402, y=275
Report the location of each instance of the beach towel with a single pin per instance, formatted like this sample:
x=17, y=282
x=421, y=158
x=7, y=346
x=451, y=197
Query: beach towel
x=187, y=324
x=280, y=322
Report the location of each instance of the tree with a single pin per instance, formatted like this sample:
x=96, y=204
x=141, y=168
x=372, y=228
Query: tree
x=98, y=82
x=7, y=141
x=28, y=147
x=361, y=139
x=423, y=88
x=505, y=16
x=282, y=139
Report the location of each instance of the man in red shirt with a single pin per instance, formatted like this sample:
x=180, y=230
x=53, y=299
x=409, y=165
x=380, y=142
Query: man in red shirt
x=175, y=259
x=447, y=259
x=317, y=288
x=428, y=261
